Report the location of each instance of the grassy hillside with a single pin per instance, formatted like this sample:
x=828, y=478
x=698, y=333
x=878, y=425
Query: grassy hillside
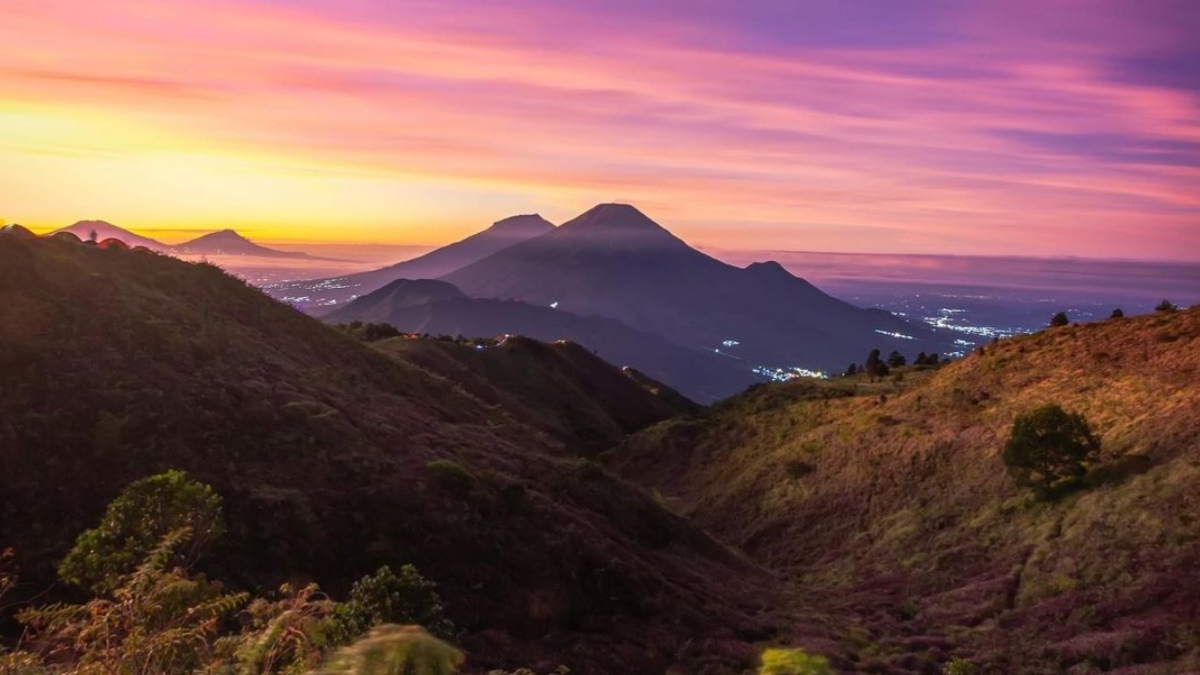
x=334, y=459
x=560, y=388
x=889, y=505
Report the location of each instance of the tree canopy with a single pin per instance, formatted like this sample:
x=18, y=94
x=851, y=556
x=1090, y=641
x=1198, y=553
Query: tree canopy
x=1049, y=448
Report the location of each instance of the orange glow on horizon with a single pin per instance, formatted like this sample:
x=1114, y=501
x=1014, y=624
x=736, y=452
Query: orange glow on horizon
x=311, y=123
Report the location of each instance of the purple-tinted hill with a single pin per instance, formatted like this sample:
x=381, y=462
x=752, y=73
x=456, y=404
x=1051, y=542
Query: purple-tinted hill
x=438, y=308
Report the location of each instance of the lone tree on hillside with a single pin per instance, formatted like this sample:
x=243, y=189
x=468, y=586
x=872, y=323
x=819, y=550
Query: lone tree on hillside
x=1049, y=448
x=875, y=367
x=1166, y=306
x=1059, y=320
x=1117, y=313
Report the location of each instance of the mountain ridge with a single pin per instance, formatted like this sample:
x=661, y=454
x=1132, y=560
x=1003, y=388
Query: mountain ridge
x=116, y=364
x=322, y=295
x=437, y=307
x=653, y=281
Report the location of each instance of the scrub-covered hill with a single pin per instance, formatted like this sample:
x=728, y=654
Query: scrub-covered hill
x=891, y=500
x=334, y=459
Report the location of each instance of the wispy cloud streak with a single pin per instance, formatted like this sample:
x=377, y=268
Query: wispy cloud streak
x=959, y=127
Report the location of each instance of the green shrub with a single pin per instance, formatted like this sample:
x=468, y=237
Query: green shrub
x=793, y=662
x=388, y=597
x=395, y=650
x=452, y=475
x=157, y=620
x=1049, y=448
x=135, y=522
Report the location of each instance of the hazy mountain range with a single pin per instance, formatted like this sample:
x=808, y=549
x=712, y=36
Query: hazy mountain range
x=223, y=242
x=612, y=280
x=438, y=308
x=621, y=284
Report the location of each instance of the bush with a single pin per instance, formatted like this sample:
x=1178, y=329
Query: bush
x=959, y=666
x=1165, y=306
x=158, y=619
x=387, y=597
x=452, y=475
x=1059, y=320
x=1117, y=313
x=1049, y=449
x=135, y=522
x=793, y=662
x=392, y=650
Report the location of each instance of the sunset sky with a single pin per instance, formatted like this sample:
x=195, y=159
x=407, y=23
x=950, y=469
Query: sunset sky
x=1041, y=127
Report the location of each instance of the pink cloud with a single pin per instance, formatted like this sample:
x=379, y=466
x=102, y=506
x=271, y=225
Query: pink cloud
x=969, y=144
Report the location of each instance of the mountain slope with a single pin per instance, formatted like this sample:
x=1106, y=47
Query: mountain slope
x=118, y=364
x=615, y=262
x=228, y=242
x=897, y=504
x=560, y=388
x=435, y=307
x=319, y=295
x=104, y=230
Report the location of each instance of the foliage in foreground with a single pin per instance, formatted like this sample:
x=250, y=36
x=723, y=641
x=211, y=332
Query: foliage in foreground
x=155, y=616
x=136, y=522
x=389, y=598
x=150, y=614
x=395, y=650
x=158, y=620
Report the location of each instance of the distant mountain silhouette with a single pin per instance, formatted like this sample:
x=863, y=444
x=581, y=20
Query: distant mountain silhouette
x=614, y=261
x=229, y=242
x=105, y=230
x=438, y=308
x=314, y=294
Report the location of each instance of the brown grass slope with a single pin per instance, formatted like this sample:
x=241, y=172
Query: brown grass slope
x=897, y=513
x=117, y=364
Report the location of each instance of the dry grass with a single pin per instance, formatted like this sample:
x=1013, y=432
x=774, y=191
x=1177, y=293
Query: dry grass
x=907, y=519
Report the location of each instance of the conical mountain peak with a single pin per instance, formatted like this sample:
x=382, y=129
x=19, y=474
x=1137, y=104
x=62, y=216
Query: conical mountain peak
x=620, y=227
x=220, y=236
x=624, y=217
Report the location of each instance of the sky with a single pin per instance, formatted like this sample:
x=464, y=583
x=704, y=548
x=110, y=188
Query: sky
x=1018, y=127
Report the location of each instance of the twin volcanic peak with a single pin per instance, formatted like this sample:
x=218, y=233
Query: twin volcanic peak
x=616, y=262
